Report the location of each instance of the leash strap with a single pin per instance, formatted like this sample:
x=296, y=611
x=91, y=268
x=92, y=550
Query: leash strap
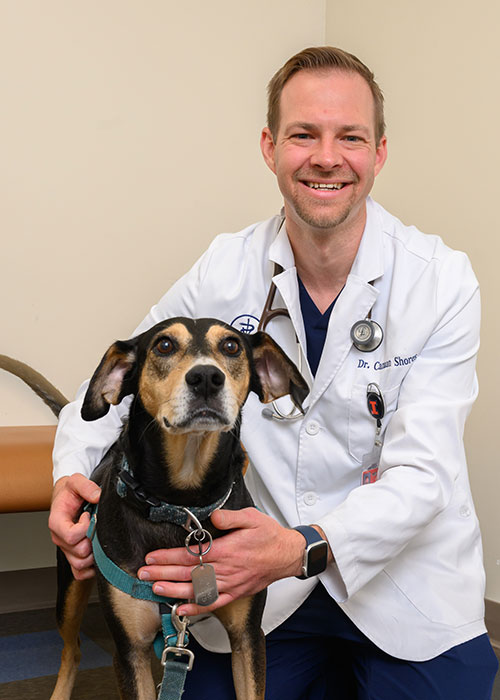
x=175, y=672
x=174, y=669
x=170, y=643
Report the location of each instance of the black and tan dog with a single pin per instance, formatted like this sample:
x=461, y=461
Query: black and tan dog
x=190, y=379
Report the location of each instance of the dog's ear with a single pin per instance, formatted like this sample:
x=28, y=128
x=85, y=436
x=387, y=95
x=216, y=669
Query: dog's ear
x=114, y=379
x=274, y=374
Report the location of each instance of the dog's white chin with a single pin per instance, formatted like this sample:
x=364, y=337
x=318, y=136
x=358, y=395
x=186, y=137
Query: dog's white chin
x=198, y=424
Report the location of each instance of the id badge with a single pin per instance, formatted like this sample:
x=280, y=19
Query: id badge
x=370, y=465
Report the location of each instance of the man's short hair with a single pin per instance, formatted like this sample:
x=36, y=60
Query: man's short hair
x=322, y=58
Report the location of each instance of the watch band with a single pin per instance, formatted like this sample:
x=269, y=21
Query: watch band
x=315, y=554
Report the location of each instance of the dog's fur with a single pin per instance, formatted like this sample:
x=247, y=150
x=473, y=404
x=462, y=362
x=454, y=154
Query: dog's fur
x=190, y=379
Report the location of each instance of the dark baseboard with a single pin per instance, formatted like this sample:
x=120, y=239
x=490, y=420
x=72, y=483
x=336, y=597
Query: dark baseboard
x=492, y=616
x=34, y=589
x=29, y=589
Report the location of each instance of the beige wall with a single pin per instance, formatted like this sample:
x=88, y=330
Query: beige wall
x=129, y=137
x=128, y=134
x=437, y=62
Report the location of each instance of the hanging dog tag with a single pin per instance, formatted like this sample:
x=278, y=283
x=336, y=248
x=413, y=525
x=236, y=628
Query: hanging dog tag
x=204, y=584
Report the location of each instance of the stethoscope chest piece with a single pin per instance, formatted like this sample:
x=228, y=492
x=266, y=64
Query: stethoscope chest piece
x=366, y=335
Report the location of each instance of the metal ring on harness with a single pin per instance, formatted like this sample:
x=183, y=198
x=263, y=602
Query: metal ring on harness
x=197, y=536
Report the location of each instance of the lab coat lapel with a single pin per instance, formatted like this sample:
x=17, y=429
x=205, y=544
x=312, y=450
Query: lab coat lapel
x=353, y=304
x=280, y=252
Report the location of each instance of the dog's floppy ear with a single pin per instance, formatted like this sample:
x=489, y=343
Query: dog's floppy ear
x=112, y=381
x=274, y=374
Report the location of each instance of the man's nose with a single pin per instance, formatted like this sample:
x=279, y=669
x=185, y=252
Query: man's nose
x=327, y=155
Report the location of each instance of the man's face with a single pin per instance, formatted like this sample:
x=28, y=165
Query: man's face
x=325, y=155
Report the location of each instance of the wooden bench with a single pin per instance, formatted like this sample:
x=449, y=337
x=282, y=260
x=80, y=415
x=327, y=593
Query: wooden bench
x=26, y=468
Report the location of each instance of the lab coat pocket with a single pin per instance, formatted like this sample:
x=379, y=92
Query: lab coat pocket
x=361, y=424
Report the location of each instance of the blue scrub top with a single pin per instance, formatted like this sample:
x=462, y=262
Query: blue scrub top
x=315, y=324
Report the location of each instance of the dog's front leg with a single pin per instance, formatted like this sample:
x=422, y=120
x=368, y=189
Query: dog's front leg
x=241, y=620
x=72, y=598
x=133, y=624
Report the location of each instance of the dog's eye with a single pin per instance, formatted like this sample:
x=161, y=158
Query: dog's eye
x=164, y=347
x=230, y=346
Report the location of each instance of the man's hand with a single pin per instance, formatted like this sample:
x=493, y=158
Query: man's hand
x=255, y=553
x=68, y=530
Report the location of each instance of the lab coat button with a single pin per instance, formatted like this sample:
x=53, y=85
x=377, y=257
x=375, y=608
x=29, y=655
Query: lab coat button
x=310, y=498
x=312, y=428
x=464, y=511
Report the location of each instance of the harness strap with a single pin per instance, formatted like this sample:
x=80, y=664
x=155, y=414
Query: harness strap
x=117, y=577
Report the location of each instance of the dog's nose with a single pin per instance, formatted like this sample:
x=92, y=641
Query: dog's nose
x=205, y=380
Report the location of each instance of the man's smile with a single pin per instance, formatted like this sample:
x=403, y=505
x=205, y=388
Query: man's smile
x=325, y=185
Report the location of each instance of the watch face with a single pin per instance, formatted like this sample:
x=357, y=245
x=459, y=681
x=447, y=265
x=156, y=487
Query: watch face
x=317, y=557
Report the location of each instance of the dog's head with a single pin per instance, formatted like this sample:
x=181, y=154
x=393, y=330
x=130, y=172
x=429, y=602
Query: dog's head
x=193, y=375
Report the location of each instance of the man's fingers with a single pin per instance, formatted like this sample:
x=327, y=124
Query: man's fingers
x=174, y=590
x=83, y=574
x=67, y=533
x=84, y=488
x=166, y=573
x=233, y=519
x=166, y=557
x=190, y=609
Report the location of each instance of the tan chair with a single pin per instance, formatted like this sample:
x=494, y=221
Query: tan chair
x=26, y=468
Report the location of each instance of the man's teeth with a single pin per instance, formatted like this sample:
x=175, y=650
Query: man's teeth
x=326, y=186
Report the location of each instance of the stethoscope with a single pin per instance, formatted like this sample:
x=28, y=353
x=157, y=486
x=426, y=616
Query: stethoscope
x=366, y=336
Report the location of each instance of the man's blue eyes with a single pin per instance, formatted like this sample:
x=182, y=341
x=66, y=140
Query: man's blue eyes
x=303, y=137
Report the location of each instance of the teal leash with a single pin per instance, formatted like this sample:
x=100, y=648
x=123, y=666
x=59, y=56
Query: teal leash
x=170, y=643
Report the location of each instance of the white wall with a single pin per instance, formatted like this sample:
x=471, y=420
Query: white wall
x=437, y=62
x=129, y=137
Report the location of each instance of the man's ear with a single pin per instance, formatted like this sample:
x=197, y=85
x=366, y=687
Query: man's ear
x=274, y=374
x=267, y=147
x=114, y=379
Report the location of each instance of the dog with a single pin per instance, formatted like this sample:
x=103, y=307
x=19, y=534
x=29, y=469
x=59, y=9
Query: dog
x=189, y=380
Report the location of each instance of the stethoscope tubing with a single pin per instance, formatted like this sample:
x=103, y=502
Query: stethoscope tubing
x=366, y=336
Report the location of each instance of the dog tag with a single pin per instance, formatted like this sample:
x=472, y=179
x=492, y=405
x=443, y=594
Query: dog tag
x=204, y=584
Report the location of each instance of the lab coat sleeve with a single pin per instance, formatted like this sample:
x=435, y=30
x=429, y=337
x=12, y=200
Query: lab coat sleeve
x=80, y=445
x=423, y=453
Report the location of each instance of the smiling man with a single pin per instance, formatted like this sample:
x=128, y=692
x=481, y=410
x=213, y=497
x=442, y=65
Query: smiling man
x=366, y=533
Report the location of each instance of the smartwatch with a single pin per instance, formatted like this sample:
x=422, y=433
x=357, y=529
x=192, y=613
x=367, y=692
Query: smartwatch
x=315, y=553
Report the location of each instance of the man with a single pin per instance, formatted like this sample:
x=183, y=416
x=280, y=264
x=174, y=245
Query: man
x=376, y=468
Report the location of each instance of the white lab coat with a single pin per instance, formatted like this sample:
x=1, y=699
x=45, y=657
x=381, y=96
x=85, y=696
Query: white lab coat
x=408, y=560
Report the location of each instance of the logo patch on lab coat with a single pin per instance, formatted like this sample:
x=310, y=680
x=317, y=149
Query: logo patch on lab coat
x=245, y=323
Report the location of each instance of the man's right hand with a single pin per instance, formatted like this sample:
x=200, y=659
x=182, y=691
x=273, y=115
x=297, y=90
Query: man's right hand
x=68, y=529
